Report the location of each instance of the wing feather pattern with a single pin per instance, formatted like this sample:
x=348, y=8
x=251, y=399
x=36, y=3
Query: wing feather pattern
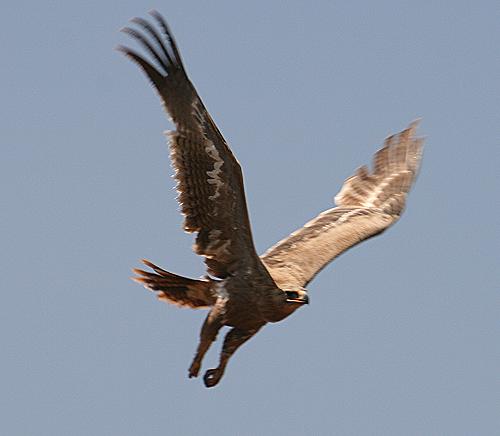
x=367, y=204
x=209, y=178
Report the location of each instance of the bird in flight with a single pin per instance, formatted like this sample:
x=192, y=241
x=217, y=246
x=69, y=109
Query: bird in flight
x=243, y=290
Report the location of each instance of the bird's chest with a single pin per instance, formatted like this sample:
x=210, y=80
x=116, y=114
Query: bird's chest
x=248, y=304
x=241, y=309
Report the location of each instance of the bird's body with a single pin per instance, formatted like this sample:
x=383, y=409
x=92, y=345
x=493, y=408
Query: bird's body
x=242, y=290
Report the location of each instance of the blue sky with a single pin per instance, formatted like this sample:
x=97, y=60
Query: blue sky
x=401, y=336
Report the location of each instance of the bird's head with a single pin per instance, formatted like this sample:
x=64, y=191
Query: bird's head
x=284, y=303
x=297, y=296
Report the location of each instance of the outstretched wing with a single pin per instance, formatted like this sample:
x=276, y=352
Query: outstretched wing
x=368, y=203
x=209, y=178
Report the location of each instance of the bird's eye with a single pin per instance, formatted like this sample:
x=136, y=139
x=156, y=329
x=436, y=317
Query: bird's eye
x=292, y=294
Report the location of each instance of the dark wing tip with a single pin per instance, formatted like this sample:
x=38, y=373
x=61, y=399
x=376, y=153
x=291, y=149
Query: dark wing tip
x=152, y=73
x=159, y=44
x=121, y=49
x=169, y=35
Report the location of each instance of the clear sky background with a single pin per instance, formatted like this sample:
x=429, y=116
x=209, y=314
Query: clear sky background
x=401, y=336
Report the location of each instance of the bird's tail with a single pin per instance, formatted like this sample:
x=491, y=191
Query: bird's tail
x=175, y=289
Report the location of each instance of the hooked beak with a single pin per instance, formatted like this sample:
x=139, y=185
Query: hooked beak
x=298, y=297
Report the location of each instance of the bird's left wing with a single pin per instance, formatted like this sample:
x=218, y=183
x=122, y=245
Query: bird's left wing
x=209, y=178
x=368, y=203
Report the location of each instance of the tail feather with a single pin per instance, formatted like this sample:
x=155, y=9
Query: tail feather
x=175, y=289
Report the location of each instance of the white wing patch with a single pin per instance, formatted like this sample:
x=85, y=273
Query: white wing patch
x=214, y=175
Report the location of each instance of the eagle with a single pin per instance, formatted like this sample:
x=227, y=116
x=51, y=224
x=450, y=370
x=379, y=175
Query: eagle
x=241, y=289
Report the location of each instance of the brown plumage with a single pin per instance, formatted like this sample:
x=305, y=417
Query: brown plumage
x=243, y=290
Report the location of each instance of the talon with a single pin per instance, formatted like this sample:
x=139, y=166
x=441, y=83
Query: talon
x=194, y=370
x=211, y=377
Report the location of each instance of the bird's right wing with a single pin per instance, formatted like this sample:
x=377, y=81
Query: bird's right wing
x=368, y=203
x=210, y=181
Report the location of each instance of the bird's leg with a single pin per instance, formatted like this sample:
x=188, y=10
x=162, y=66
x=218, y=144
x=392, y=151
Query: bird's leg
x=233, y=340
x=208, y=334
